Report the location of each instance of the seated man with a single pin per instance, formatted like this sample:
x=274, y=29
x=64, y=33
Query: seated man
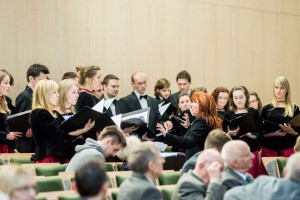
x=109, y=142
x=238, y=160
x=91, y=180
x=272, y=188
x=147, y=165
x=204, y=182
x=215, y=140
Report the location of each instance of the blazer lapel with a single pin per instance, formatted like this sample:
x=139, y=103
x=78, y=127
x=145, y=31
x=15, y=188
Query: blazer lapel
x=135, y=101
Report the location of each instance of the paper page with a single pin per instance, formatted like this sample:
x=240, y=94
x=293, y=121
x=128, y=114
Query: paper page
x=162, y=146
x=168, y=154
x=142, y=114
x=117, y=119
x=99, y=106
x=162, y=109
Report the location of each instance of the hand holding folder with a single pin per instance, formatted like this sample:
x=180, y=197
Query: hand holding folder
x=80, y=119
x=244, y=122
x=19, y=122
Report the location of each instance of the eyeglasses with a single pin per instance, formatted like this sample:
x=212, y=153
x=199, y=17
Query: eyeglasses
x=253, y=101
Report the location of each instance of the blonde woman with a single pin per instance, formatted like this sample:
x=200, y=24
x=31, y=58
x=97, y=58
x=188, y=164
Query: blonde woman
x=68, y=96
x=44, y=123
x=132, y=143
x=6, y=137
x=279, y=140
x=89, y=80
x=17, y=183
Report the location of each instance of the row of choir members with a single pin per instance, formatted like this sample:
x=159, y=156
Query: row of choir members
x=280, y=110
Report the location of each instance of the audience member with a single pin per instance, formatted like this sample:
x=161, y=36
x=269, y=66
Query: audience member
x=91, y=180
x=147, y=165
x=204, y=182
x=17, y=183
x=132, y=142
x=215, y=140
x=109, y=142
x=238, y=160
x=272, y=188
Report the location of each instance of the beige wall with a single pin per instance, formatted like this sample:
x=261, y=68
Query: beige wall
x=220, y=42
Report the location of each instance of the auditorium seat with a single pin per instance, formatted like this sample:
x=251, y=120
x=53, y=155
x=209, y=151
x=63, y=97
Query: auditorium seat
x=281, y=162
x=52, y=170
x=69, y=197
x=169, y=178
x=20, y=160
x=48, y=184
x=167, y=193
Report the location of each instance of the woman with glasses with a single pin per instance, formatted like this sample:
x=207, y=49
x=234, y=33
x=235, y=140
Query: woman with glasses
x=254, y=101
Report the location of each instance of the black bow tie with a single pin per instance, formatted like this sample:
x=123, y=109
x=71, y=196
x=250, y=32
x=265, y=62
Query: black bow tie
x=143, y=96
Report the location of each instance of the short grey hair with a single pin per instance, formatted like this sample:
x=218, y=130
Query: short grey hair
x=140, y=158
x=293, y=168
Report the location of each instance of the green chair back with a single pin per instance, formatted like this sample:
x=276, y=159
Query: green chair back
x=281, y=162
x=120, y=179
x=49, y=184
x=114, y=195
x=109, y=167
x=20, y=161
x=51, y=170
x=168, y=149
x=167, y=194
x=1, y=161
x=169, y=178
x=69, y=197
x=40, y=198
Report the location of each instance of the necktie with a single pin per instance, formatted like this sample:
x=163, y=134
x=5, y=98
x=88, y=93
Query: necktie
x=143, y=96
x=248, y=179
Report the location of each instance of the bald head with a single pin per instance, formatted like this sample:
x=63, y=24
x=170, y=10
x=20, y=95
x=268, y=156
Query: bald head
x=237, y=155
x=208, y=156
x=139, y=82
x=292, y=169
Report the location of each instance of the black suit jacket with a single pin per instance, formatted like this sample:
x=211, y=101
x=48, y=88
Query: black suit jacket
x=193, y=140
x=131, y=103
x=24, y=100
x=173, y=99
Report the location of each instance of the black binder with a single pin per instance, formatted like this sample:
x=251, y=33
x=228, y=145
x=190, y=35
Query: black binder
x=19, y=122
x=270, y=126
x=168, y=111
x=295, y=122
x=244, y=122
x=79, y=120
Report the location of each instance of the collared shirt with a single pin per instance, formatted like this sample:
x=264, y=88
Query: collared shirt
x=244, y=176
x=142, y=101
x=111, y=106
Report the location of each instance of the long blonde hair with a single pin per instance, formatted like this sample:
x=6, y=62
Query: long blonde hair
x=63, y=89
x=289, y=106
x=3, y=103
x=40, y=97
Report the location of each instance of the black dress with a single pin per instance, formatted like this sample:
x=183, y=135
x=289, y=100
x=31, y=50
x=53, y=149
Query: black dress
x=4, y=130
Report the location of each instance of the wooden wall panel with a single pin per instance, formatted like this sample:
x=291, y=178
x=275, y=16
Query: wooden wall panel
x=220, y=42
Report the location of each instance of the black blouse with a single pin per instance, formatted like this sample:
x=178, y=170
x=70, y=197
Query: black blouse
x=276, y=114
x=254, y=144
x=47, y=135
x=4, y=130
x=85, y=99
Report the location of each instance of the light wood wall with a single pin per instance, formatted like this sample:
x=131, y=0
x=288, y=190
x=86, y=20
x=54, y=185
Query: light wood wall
x=220, y=42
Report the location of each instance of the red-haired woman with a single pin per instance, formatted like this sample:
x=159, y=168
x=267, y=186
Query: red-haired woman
x=205, y=110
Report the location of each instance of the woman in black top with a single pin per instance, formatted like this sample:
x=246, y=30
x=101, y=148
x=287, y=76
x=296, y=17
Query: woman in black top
x=205, y=110
x=278, y=136
x=221, y=96
x=68, y=96
x=6, y=137
x=89, y=80
x=239, y=98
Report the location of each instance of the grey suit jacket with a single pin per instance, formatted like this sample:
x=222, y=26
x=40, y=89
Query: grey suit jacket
x=138, y=187
x=231, y=179
x=191, y=187
x=266, y=188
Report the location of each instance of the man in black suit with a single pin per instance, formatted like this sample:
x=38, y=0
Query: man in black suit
x=183, y=80
x=138, y=100
x=35, y=73
x=111, y=89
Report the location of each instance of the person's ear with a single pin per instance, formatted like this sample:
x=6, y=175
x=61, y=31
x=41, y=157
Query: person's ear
x=105, y=188
x=284, y=171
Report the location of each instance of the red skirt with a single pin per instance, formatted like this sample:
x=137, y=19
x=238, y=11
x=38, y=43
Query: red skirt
x=52, y=159
x=4, y=148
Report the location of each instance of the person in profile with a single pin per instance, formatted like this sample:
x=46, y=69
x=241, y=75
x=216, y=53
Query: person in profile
x=91, y=180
